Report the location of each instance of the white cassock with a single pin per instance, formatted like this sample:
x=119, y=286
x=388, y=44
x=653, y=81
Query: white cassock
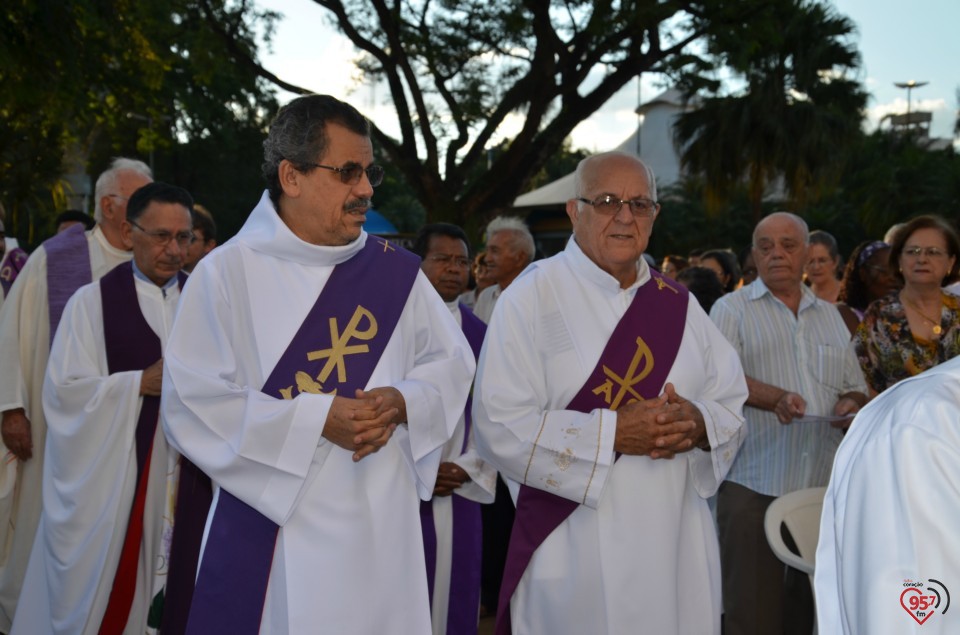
x=891, y=514
x=24, y=348
x=481, y=488
x=349, y=553
x=90, y=476
x=640, y=553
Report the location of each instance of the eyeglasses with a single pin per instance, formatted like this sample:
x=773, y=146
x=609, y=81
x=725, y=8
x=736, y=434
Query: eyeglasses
x=446, y=261
x=929, y=252
x=351, y=172
x=117, y=196
x=610, y=205
x=162, y=238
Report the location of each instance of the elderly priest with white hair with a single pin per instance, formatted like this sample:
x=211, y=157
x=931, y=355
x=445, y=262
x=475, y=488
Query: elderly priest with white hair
x=613, y=405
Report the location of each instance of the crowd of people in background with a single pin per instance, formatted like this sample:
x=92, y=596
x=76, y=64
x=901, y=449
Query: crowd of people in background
x=547, y=494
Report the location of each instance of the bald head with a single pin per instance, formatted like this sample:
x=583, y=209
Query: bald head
x=780, y=251
x=780, y=218
x=591, y=168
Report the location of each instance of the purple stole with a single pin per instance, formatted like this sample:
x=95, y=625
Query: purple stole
x=634, y=364
x=362, y=301
x=130, y=345
x=462, y=609
x=11, y=267
x=68, y=269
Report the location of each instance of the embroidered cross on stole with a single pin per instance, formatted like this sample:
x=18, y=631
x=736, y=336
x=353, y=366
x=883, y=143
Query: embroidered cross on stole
x=335, y=351
x=633, y=366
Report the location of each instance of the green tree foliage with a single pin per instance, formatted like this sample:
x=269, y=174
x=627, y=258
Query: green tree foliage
x=891, y=178
x=456, y=71
x=887, y=178
x=797, y=113
x=88, y=79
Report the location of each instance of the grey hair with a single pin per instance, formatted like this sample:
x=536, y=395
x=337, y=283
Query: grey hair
x=107, y=182
x=578, y=183
x=802, y=224
x=523, y=238
x=298, y=134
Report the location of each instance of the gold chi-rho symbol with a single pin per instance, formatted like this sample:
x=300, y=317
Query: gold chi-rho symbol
x=642, y=360
x=341, y=345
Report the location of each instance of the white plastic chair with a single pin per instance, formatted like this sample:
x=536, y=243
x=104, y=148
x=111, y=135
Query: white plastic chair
x=800, y=512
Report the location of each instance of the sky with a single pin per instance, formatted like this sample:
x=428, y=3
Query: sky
x=898, y=41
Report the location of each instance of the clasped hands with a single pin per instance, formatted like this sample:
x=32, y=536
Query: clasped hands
x=450, y=477
x=365, y=423
x=659, y=428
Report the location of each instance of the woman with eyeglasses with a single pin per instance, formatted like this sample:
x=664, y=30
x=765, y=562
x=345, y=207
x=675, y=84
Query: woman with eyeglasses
x=481, y=280
x=905, y=333
x=823, y=265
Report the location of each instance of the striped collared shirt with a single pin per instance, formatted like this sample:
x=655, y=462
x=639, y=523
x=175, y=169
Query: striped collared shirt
x=808, y=354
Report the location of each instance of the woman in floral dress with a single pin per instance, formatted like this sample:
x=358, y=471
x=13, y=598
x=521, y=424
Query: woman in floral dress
x=909, y=331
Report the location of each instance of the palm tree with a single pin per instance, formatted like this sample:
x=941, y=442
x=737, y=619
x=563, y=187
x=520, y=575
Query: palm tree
x=797, y=113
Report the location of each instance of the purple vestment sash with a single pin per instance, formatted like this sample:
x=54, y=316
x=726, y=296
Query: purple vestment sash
x=130, y=345
x=12, y=264
x=68, y=269
x=361, y=302
x=634, y=365
x=463, y=602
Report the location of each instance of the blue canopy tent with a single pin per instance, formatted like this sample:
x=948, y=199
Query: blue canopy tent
x=378, y=224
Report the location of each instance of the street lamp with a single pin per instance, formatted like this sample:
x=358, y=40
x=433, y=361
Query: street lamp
x=909, y=86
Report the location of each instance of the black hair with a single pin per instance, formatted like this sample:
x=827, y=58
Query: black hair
x=703, y=283
x=157, y=192
x=421, y=243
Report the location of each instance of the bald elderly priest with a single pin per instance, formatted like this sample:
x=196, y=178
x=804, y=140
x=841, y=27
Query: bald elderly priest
x=98, y=563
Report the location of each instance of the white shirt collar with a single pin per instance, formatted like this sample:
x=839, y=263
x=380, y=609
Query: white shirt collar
x=98, y=234
x=592, y=272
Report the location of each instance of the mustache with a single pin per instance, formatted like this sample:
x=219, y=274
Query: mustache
x=362, y=204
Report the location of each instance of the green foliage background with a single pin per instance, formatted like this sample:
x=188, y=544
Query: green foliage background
x=178, y=83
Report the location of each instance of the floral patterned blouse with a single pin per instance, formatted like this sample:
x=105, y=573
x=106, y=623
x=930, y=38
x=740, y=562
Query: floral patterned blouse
x=888, y=351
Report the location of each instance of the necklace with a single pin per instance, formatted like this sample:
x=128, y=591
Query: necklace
x=935, y=324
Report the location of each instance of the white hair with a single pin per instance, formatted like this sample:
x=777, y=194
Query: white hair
x=523, y=240
x=584, y=163
x=107, y=182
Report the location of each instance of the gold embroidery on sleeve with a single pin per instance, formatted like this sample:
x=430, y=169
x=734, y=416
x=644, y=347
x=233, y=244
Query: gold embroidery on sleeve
x=534, y=450
x=596, y=459
x=565, y=459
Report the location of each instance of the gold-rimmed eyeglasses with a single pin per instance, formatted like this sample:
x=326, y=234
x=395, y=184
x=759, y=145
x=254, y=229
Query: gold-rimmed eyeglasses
x=929, y=252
